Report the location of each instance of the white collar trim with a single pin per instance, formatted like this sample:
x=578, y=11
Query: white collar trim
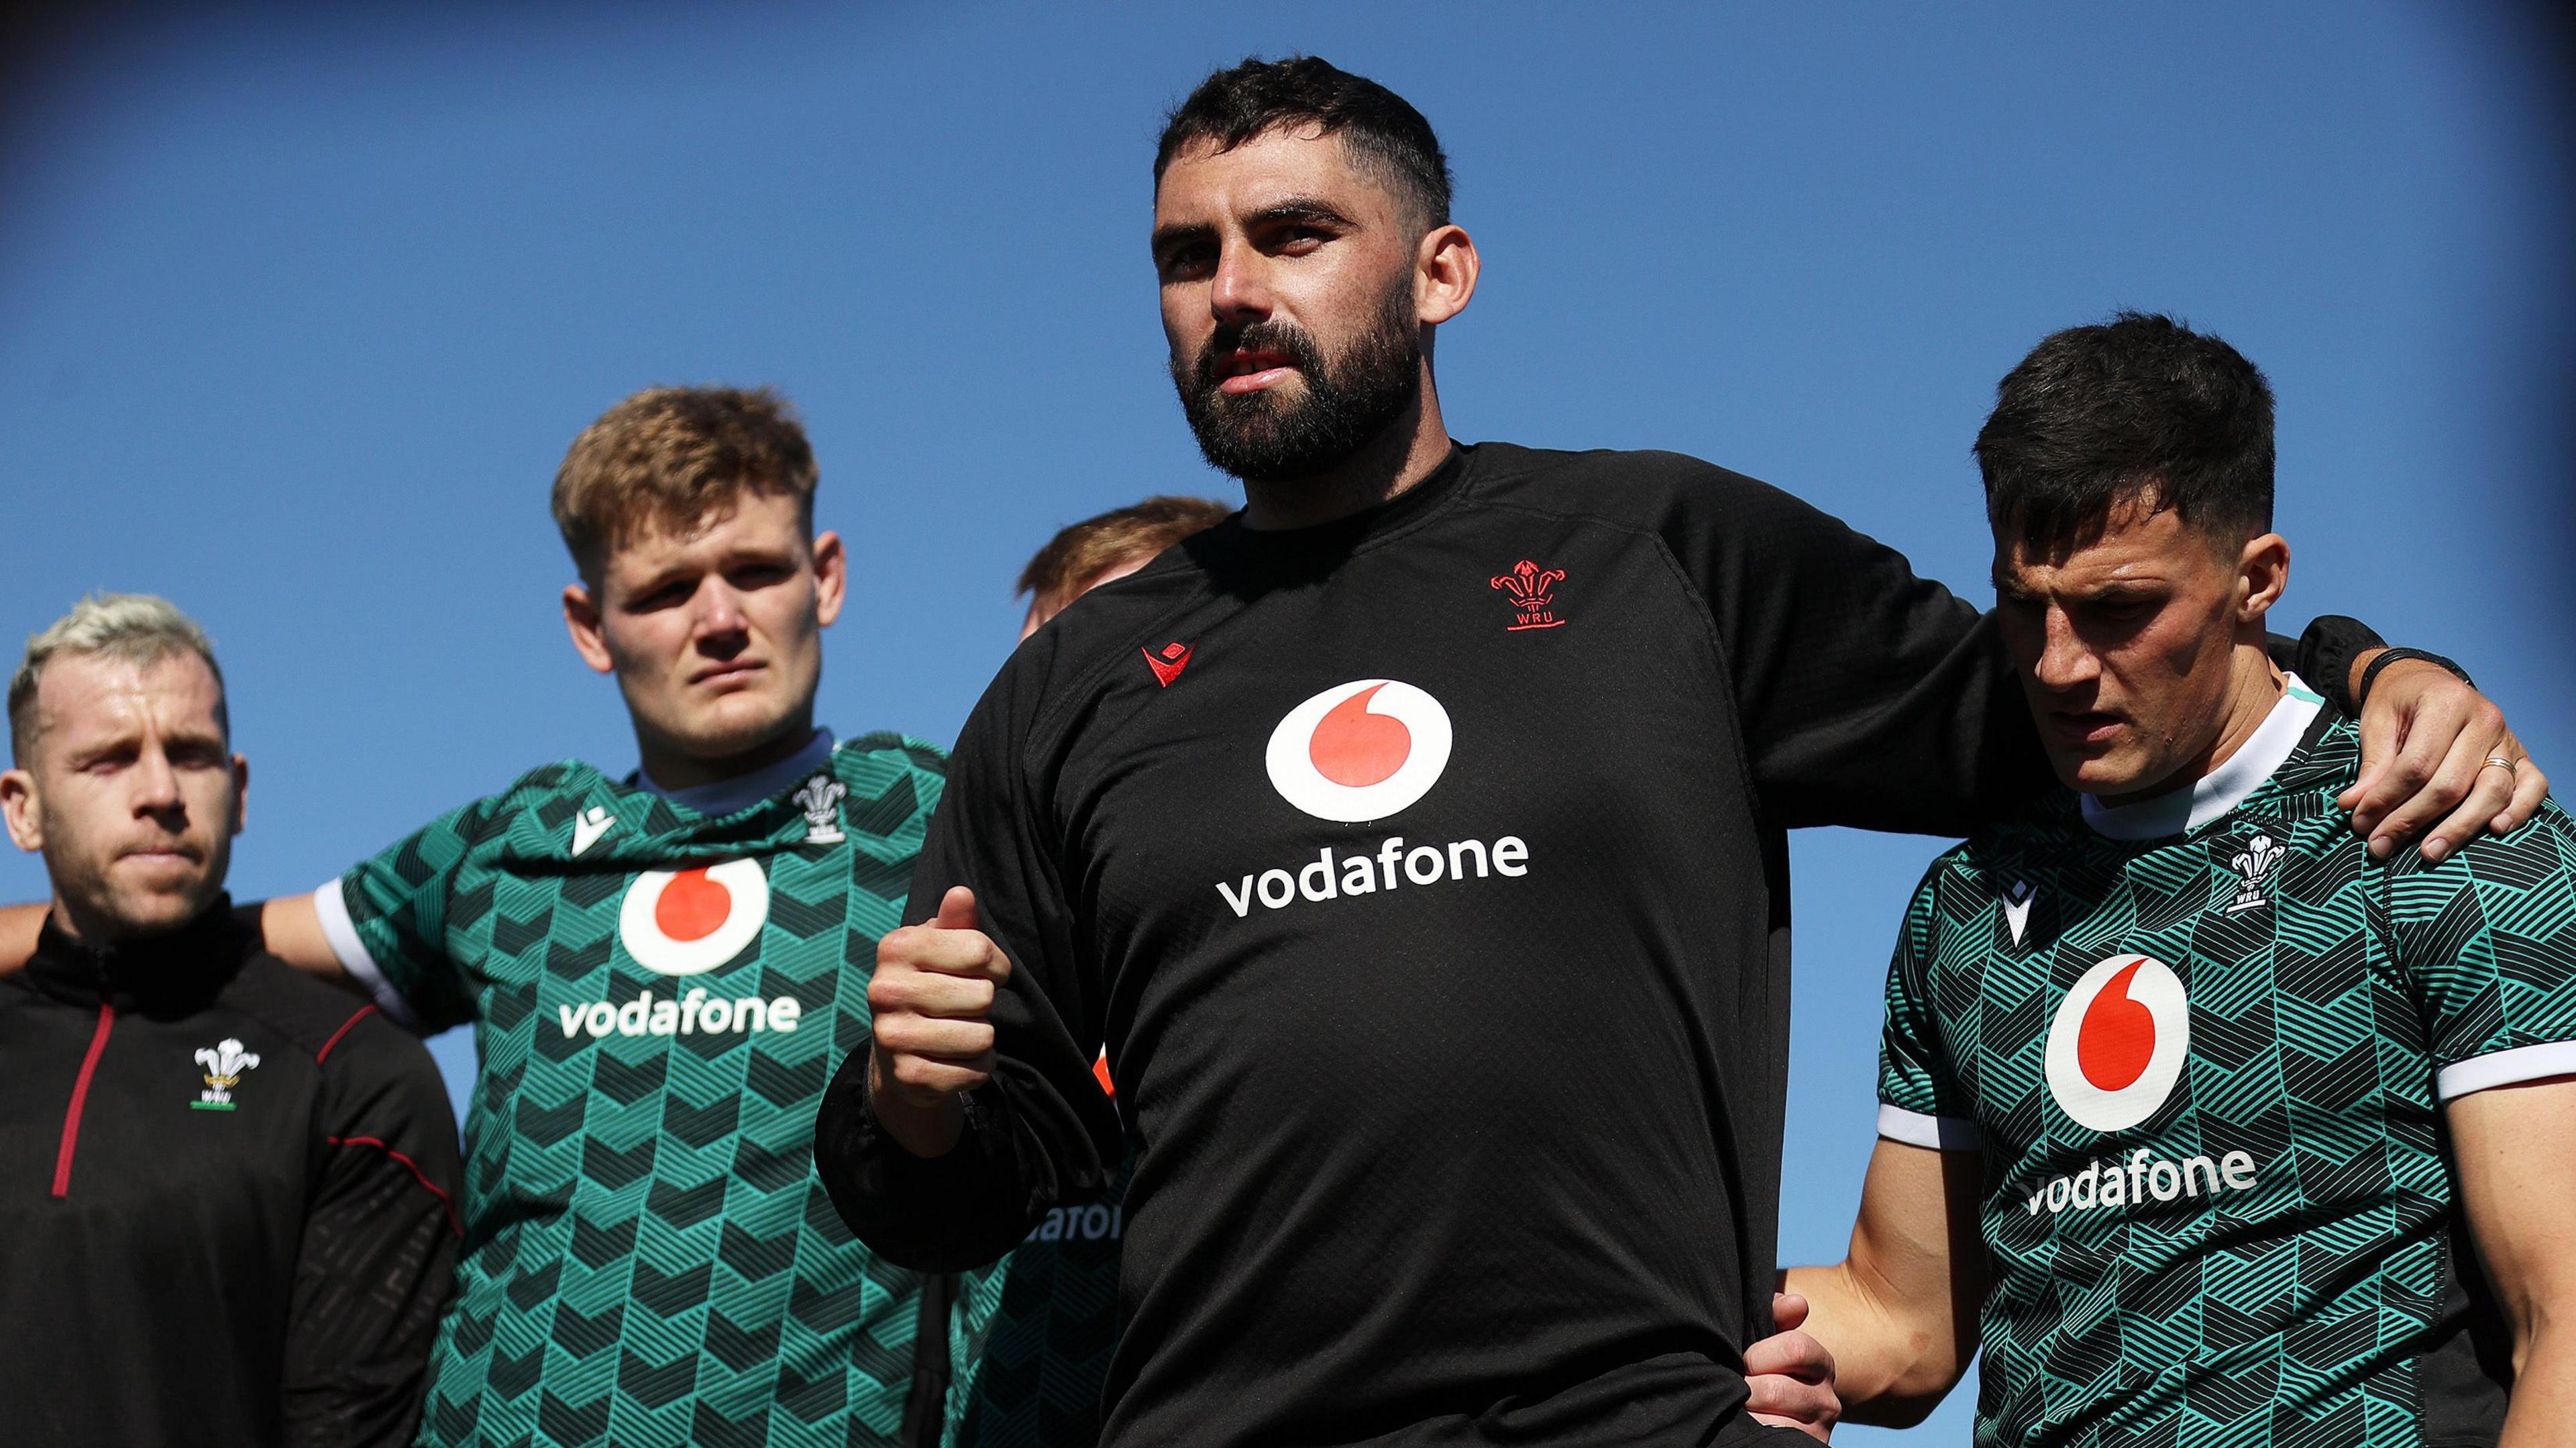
x=745, y=790
x=2180, y=811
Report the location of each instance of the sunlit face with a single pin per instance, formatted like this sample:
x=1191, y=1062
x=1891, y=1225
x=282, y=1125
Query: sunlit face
x=2124, y=643
x=1289, y=301
x=130, y=791
x=715, y=634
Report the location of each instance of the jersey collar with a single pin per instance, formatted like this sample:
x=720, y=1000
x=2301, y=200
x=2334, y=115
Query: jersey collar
x=2181, y=811
x=725, y=796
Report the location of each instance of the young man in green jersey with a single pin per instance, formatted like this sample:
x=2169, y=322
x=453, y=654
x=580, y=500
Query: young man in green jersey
x=2210, y=1128
x=660, y=971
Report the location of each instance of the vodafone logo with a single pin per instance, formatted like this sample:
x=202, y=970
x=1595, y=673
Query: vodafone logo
x=688, y=921
x=1360, y=751
x=2117, y=1046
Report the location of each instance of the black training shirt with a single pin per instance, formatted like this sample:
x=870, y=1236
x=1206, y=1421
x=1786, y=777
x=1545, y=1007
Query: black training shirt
x=226, y=1200
x=1425, y=876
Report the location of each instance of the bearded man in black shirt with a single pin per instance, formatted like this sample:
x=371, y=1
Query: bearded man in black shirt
x=1414, y=842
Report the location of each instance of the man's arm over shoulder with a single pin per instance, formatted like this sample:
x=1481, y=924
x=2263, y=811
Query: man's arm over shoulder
x=981, y=1011
x=380, y=1238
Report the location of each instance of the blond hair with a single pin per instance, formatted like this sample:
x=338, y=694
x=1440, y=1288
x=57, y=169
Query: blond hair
x=669, y=458
x=133, y=628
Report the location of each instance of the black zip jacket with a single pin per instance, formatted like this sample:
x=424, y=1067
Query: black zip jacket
x=226, y=1200
x=1425, y=876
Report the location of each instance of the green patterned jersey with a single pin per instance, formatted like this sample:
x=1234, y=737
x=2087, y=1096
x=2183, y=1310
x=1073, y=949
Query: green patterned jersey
x=1034, y=1379
x=2202, y=1043
x=658, y=997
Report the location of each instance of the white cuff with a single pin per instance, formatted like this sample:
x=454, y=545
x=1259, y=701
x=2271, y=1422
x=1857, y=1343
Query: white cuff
x=1940, y=1133
x=2506, y=1068
x=333, y=910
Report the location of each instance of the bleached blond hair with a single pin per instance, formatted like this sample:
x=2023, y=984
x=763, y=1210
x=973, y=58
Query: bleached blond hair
x=134, y=628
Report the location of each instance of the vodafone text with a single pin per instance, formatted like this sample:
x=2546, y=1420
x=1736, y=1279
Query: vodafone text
x=1328, y=877
x=2142, y=1179
x=688, y=1015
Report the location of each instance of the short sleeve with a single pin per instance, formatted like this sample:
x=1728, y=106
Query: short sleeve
x=2488, y=941
x=1920, y=1101
x=387, y=920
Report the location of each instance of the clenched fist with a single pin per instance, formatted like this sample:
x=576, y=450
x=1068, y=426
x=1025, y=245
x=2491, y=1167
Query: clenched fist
x=932, y=999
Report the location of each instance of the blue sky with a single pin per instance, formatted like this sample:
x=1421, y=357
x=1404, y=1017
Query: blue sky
x=298, y=311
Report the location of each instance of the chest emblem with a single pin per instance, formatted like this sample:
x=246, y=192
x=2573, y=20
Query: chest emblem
x=225, y=1064
x=2253, y=867
x=1167, y=661
x=2118, y=1043
x=589, y=825
x=2017, y=908
x=1359, y=751
x=1533, y=595
x=820, y=798
x=685, y=922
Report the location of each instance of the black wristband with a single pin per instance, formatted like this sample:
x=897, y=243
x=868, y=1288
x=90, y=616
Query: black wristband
x=2370, y=675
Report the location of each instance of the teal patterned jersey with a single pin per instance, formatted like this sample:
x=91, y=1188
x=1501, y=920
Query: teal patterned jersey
x=2202, y=1044
x=1034, y=1379
x=658, y=997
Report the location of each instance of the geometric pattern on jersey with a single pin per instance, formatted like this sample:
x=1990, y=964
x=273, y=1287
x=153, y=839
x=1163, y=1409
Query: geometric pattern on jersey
x=2264, y=1259
x=1035, y=1380
x=649, y=1257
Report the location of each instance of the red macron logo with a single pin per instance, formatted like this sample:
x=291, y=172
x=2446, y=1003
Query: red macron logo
x=1531, y=589
x=1168, y=663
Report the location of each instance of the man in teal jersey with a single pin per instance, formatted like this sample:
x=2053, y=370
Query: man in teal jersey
x=2209, y=1127
x=661, y=971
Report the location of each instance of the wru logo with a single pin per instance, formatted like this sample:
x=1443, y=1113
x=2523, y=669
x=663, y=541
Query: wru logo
x=224, y=1065
x=2254, y=863
x=820, y=798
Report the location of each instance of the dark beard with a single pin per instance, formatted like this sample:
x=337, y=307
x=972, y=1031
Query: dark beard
x=1265, y=437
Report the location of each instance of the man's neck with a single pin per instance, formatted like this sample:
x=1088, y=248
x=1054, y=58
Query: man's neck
x=672, y=770
x=1407, y=450
x=2254, y=685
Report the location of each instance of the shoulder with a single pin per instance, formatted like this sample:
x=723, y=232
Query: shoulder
x=328, y=1025
x=898, y=776
x=2529, y=875
x=884, y=749
x=1643, y=488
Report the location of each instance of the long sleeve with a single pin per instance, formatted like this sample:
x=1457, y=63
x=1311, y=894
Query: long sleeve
x=380, y=1235
x=1870, y=697
x=1041, y=1133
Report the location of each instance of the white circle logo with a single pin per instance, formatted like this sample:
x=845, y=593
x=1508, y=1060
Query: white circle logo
x=686, y=921
x=1360, y=751
x=2117, y=1046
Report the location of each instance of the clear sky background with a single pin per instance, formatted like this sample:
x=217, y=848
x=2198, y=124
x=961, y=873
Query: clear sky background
x=299, y=310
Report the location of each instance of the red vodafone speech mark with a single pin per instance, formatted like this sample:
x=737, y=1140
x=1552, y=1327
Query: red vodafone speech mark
x=692, y=906
x=1355, y=748
x=2118, y=1037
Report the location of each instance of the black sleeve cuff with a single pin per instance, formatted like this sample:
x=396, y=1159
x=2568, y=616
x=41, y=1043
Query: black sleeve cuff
x=950, y=1213
x=2323, y=657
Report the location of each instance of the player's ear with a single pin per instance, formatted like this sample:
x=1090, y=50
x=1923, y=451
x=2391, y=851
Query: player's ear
x=18, y=803
x=831, y=576
x=581, y=617
x=241, y=791
x=2262, y=571
x=1445, y=271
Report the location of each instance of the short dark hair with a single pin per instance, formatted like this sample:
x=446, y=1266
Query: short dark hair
x=1069, y=562
x=1383, y=132
x=2138, y=407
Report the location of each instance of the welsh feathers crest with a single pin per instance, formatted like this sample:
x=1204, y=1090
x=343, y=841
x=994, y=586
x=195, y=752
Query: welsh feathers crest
x=224, y=1063
x=820, y=798
x=2253, y=866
